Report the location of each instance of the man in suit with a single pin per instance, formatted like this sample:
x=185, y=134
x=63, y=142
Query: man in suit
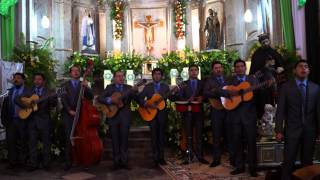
x=15, y=127
x=157, y=125
x=119, y=124
x=244, y=118
x=39, y=124
x=69, y=101
x=298, y=118
x=192, y=92
x=219, y=120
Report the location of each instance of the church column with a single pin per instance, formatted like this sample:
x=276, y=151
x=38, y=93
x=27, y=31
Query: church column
x=0, y=41
x=235, y=27
x=109, y=30
x=189, y=26
x=102, y=31
x=126, y=24
x=171, y=23
x=62, y=31
x=276, y=30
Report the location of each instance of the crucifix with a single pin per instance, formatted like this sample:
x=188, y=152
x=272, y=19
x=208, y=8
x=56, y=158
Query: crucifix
x=148, y=27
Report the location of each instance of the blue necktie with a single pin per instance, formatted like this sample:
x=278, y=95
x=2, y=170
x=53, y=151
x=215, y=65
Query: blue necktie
x=75, y=84
x=303, y=91
x=38, y=91
x=220, y=80
x=194, y=85
x=120, y=87
x=157, y=87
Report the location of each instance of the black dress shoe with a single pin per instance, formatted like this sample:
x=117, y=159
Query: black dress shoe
x=253, y=174
x=215, y=164
x=31, y=168
x=67, y=167
x=237, y=171
x=115, y=167
x=126, y=167
x=162, y=162
x=203, y=161
x=155, y=164
x=11, y=166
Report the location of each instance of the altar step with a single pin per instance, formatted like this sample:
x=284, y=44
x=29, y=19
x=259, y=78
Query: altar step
x=139, y=145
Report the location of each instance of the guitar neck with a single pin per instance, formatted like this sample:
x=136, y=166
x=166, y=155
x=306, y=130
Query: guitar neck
x=258, y=86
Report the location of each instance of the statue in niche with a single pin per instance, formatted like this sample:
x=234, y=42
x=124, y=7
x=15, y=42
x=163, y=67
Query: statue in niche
x=88, y=34
x=212, y=30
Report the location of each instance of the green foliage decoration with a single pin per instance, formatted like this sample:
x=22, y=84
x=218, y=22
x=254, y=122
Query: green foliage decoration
x=37, y=57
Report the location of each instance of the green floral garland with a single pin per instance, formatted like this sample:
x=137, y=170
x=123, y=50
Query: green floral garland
x=116, y=14
x=37, y=57
x=5, y=5
x=180, y=20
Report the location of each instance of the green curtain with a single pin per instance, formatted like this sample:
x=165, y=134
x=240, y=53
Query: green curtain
x=287, y=24
x=7, y=33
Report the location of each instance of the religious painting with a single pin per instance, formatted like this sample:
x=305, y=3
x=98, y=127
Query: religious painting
x=149, y=31
x=213, y=23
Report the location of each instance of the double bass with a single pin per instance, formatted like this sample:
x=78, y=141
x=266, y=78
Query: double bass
x=86, y=144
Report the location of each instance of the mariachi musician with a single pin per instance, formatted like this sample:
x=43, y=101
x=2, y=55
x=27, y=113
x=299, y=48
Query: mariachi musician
x=244, y=122
x=69, y=101
x=157, y=124
x=220, y=122
x=193, y=116
x=39, y=124
x=15, y=127
x=120, y=123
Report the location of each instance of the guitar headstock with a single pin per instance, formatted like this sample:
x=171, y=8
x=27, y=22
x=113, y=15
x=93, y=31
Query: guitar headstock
x=141, y=82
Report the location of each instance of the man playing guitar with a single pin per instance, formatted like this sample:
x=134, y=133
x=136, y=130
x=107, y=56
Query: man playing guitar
x=219, y=121
x=120, y=123
x=39, y=124
x=157, y=125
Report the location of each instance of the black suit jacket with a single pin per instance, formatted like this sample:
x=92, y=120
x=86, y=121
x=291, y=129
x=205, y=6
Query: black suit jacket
x=289, y=112
x=42, y=116
x=213, y=88
x=186, y=92
x=69, y=99
x=148, y=91
x=124, y=112
x=6, y=111
x=246, y=110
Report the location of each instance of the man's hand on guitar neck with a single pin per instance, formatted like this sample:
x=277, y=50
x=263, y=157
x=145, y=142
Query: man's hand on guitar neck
x=152, y=106
x=85, y=83
x=72, y=112
x=232, y=93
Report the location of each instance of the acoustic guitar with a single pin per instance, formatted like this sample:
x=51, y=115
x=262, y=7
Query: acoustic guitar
x=112, y=109
x=155, y=103
x=32, y=103
x=245, y=93
x=216, y=104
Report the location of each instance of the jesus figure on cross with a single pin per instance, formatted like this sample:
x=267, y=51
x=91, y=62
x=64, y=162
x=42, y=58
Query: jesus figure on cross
x=148, y=26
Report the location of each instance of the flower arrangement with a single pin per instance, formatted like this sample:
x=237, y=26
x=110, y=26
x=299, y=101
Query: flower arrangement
x=37, y=57
x=180, y=20
x=124, y=61
x=116, y=14
x=202, y=59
